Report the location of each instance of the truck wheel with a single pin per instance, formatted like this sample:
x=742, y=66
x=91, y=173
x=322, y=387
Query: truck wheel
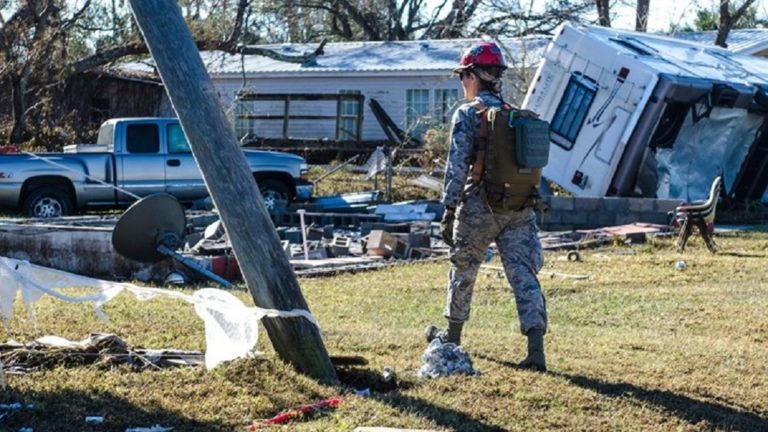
x=47, y=202
x=273, y=190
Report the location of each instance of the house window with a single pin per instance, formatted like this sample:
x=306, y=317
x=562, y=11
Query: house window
x=142, y=138
x=348, y=114
x=243, y=125
x=416, y=111
x=572, y=111
x=446, y=101
x=177, y=142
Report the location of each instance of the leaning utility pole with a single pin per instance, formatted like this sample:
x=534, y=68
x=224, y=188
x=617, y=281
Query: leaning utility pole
x=266, y=269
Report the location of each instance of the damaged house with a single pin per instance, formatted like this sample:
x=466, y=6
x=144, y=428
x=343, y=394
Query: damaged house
x=411, y=80
x=636, y=114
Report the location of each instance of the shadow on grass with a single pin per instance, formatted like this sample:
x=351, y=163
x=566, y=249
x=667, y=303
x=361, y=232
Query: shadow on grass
x=445, y=417
x=66, y=411
x=686, y=408
x=388, y=391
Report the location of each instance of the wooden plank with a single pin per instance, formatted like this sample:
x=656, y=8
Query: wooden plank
x=265, y=267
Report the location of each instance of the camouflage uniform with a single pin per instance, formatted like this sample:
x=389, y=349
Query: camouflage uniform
x=515, y=233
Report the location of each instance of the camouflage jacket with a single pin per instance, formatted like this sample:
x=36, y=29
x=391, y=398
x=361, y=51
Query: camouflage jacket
x=461, y=154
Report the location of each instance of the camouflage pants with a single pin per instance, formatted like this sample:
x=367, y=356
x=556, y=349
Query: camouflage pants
x=516, y=237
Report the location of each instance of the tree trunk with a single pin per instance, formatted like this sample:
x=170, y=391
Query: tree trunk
x=641, y=20
x=266, y=269
x=728, y=20
x=603, y=12
x=18, y=101
x=724, y=24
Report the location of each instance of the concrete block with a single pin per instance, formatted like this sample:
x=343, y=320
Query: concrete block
x=666, y=205
x=561, y=203
x=550, y=217
x=315, y=233
x=600, y=219
x=559, y=227
x=615, y=205
x=420, y=240
x=639, y=205
x=319, y=253
x=293, y=235
x=589, y=204
x=627, y=218
x=654, y=217
x=382, y=243
x=340, y=246
x=577, y=219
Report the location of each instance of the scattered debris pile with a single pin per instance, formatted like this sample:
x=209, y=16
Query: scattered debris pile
x=102, y=349
x=443, y=359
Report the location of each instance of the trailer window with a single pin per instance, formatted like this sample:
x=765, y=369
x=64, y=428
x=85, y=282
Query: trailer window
x=572, y=111
x=142, y=138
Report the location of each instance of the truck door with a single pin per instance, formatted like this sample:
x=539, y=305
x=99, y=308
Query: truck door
x=141, y=162
x=182, y=175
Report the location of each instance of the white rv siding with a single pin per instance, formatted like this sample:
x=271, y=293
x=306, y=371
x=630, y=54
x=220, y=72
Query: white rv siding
x=613, y=113
x=389, y=91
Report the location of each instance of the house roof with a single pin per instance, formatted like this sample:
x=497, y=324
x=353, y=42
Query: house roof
x=439, y=56
x=423, y=56
x=741, y=41
x=684, y=58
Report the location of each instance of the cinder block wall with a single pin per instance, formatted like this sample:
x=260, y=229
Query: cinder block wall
x=570, y=213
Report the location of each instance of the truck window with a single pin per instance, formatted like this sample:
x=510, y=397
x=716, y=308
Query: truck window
x=573, y=109
x=106, y=134
x=177, y=142
x=142, y=138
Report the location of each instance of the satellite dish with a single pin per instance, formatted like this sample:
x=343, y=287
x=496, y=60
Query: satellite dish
x=152, y=221
x=152, y=229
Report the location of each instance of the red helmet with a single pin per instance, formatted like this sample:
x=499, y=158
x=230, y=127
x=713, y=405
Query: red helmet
x=482, y=54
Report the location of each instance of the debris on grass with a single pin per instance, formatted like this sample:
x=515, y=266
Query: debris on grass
x=443, y=359
x=300, y=413
x=98, y=348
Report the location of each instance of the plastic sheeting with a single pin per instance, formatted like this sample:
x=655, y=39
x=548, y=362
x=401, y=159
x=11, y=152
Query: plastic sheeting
x=231, y=328
x=715, y=145
x=443, y=359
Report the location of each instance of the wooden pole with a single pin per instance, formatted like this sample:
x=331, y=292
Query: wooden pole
x=266, y=269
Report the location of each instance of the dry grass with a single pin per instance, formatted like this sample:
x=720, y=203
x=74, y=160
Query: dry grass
x=638, y=346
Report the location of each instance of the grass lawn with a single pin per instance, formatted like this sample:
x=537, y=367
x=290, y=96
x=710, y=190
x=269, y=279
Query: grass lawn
x=639, y=346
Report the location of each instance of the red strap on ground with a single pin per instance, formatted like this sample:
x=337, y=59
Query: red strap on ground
x=299, y=412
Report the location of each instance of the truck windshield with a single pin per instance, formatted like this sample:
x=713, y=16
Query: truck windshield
x=177, y=142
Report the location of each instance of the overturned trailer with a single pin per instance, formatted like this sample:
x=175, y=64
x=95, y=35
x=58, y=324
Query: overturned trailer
x=635, y=114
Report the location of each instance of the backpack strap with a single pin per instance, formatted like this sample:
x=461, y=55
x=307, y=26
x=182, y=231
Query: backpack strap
x=481, y=143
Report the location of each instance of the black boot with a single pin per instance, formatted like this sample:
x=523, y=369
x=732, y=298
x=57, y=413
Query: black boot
x=535, y=359
x=450, y=335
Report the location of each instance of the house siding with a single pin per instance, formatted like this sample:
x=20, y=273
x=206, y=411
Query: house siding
x=390, y=92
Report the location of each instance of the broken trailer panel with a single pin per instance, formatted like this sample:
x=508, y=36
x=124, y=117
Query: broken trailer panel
x=636, y=114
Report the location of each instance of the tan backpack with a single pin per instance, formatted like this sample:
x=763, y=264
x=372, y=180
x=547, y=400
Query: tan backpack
x=512, y=148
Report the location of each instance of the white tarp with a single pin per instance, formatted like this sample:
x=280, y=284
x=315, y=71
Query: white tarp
x=231, y=328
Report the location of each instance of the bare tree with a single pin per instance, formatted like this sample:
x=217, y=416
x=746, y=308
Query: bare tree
x=728, y=19
x=42, y=45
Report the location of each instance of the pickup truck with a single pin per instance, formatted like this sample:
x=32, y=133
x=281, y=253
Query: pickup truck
x=139, y=155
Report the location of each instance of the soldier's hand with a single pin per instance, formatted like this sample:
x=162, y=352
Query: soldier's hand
x=446, y=226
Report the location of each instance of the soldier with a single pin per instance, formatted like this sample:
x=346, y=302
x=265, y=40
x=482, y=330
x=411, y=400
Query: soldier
x=469, y=223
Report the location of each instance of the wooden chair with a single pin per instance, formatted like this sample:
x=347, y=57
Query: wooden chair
x=700, y=214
